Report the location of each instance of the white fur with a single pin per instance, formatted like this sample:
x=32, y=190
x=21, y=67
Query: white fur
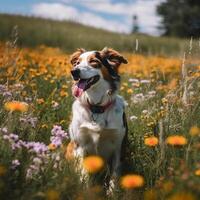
x=99, y=134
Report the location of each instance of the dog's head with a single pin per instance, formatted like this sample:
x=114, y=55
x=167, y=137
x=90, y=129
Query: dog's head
x=91, y=66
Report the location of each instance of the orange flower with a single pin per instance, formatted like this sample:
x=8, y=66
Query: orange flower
x=93, y=164
x=176, y=140
x=131, y=181
x=69, y=153
x=151, y=141
x=52, y=194
x=182, y=196
x=197, y=172
x=16, y=106
x=51, y=146
x=194, y=130
x=3, y=170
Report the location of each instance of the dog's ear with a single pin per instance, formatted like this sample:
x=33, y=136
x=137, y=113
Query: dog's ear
x=74, y=57
x=114, y=58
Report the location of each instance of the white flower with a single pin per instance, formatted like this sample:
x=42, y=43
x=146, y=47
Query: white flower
x=145, y=112
x=145, y=81
x=133, y=80
x=152, y=93
x=133, y=117
x=15, y=164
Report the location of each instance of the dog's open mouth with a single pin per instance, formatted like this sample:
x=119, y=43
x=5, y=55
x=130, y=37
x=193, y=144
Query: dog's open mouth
x=84, y=84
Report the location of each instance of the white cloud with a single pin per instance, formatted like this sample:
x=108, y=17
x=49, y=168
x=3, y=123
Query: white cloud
x=54, y=11
x=144, y=9
x=60, y=11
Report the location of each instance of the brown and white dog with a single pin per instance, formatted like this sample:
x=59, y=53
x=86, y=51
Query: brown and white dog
x=98, y=125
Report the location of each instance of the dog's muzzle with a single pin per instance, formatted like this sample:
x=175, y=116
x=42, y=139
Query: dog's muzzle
x=76, y=74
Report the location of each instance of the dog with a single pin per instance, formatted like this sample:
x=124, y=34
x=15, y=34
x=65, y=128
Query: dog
x=98, y=125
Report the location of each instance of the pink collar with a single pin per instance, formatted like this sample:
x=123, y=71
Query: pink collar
x=98, y=109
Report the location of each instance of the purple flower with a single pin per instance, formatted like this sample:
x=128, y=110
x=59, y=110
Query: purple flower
x=29, y=120
x=14, y=137
x=2, y=88
x=58, y=135
x=37, y=147
x=7, y=94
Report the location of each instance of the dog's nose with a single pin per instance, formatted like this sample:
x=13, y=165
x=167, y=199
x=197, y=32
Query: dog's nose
x=76, y=74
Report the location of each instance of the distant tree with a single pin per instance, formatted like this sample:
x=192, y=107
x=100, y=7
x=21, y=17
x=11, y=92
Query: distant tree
x=135, y=28
x=180, y=17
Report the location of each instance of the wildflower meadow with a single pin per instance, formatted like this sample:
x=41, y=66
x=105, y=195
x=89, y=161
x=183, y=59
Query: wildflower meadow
x=162, y=97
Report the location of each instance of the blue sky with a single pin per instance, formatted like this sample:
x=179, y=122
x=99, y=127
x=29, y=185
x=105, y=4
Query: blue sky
x=114, y=15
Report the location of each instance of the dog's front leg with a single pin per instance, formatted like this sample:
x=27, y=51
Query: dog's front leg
x=116, y=163
x=115, y=171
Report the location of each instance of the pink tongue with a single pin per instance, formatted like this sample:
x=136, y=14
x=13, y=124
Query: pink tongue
x=78, y=89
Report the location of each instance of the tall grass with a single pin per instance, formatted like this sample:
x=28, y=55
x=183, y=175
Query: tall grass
x=70, y=35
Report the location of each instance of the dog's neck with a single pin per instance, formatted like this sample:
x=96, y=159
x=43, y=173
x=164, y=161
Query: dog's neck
x=98, y=94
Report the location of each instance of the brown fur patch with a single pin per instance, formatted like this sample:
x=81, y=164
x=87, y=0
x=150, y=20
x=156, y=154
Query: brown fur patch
x=114, y=57
x=94, y=61
x=75, y=56
x=69, y=152
x=106, y=74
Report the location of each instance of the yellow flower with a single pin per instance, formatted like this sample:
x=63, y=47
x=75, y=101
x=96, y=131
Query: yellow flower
x=24, y=93
x=125, y=84
x=64, y=86
x=16, y=106
x=168, y=186
x=150, y=195
x=176, y=140
x=40, y=101
x=122, y=88
x=151, y=141
x=52, y=194
x=44, y=126
x=197, y=172
x=62, y=121
x=93, y=164
x=182, y=196
x=131, y=181
x=164, y=101
x=194, y=130
x=51, y=146
x=63, y=93
x=136, y=84
x=3, y=170
x=129, y=91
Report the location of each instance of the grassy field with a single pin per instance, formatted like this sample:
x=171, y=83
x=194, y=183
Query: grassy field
x=69, y=35
x=163, y=117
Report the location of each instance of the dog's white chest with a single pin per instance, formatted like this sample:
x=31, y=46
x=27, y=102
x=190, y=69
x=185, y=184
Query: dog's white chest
x=96, y=140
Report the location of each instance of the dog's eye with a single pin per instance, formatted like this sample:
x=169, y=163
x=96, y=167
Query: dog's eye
x=78, y=62
x=95, y=63
x=75, y=63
